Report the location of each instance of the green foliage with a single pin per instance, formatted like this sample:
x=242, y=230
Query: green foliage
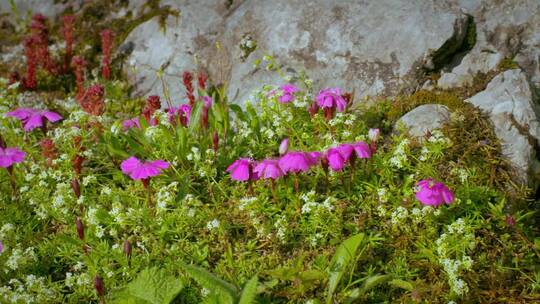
x=345, y=254
x=151, y=286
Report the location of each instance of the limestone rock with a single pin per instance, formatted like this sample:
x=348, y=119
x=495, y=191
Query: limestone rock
x=424, y=118
x=375, y=47
x=509, y=101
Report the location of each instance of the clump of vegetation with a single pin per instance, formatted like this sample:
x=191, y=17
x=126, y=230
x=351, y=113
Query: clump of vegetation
x=297, y=197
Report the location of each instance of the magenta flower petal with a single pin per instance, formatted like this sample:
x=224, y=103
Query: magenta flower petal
x=447, y=195
x=33, y=122
x=31, y=118
x=129, y=165
x=346, y=151
x=21, y=113
x=161, y=164
x=331, y=98
x=240, y=169
x=335, y=159
x=268, y=168
x=294, y=162
x=131, y=123
x=286, y=98
x=10, y=156
x=52, y=116
x=362, y=150
x=313, y=157
x=433, y=193
x=142, y=170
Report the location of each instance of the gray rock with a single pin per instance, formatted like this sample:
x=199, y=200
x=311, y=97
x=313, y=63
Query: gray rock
x=424, y=119
x=474, y=63
x=376, y=47
x=509, y=101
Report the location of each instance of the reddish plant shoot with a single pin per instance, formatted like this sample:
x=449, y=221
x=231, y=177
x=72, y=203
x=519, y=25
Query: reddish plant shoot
x=107, y=38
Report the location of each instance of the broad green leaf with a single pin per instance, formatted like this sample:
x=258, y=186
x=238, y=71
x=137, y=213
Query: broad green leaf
x=345, y=253
x=151, y=286
x=250, y=291
x=211, y=282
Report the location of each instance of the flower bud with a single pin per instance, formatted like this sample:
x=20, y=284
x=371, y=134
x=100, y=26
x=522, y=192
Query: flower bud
x=80, y=228
x=77, y=163
x=127, y=248
x=284, y=146
x=98, y=286
x=313, y=109
x=510, y=221
x=373, y=134
x=75, y=187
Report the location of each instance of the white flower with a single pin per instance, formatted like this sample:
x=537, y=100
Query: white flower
x=213, y=224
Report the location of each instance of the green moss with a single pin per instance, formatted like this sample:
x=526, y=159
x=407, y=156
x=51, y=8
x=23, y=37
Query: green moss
x=470, y=37
x=471, y=131
x=507, y=64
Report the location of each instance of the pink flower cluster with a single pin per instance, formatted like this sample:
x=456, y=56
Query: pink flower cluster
x=329, y=100
x=245, y=169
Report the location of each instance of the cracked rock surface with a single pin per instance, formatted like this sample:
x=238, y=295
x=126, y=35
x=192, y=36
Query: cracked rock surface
x=510, y=104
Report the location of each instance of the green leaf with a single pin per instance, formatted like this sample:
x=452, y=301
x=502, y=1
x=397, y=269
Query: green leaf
x=250, y=291
x=152, y=286
x=195, y=117
x=211, y=282
x=374, y=281
x=238, y=111
x=341, y=259
x=402, y=284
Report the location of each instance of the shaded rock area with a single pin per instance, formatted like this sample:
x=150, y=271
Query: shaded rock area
x=424, y=119
x=510, y=103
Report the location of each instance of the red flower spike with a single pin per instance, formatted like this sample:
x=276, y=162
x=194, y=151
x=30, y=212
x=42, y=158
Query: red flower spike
x=187, y=79
x=107, y=37
x=201, y=79
x=48, y=150
x=92, y=102
x=68, y=23
x=78, y=63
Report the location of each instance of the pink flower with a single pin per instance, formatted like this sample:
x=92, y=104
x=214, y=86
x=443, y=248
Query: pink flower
x=182, y=113
x=335, y=159
x=32, y=118
x=284, y=146
x=10, y=156
x=268, y=168
x=131, y=123
x=313, y=157
x=1, y=247
x=295, y=162
x=142, y=170
x=432, y=193
x=346, y=151
x=331, y=99
x=288, y=91
x=241, y=170
x=362, y=150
